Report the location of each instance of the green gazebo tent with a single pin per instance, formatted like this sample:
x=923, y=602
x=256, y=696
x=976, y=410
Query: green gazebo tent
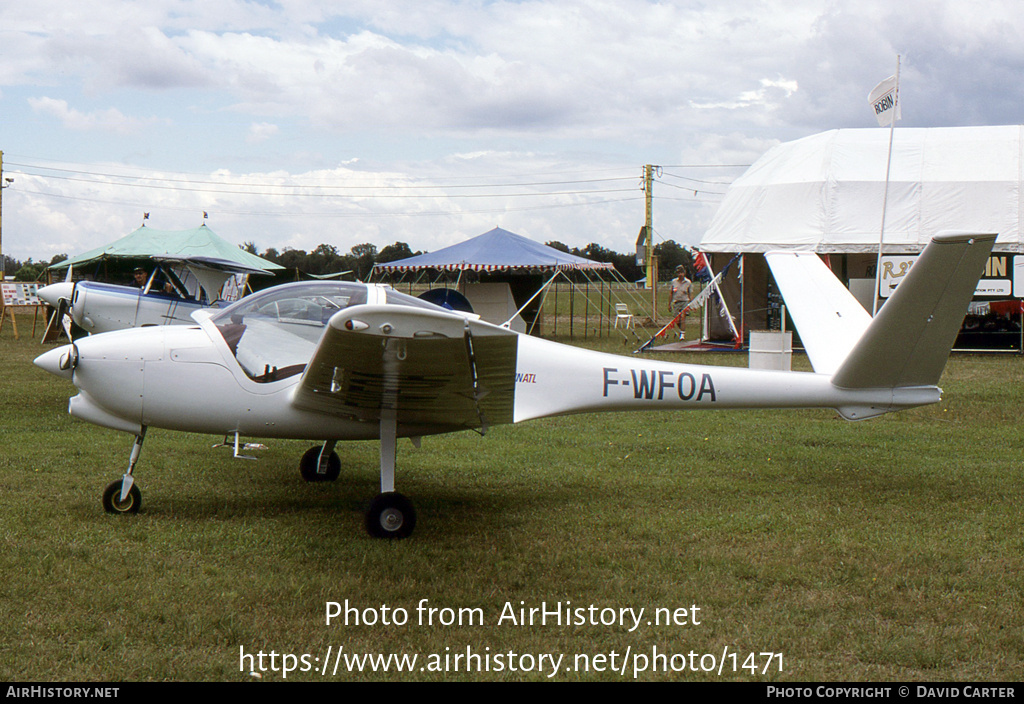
x=147, y=242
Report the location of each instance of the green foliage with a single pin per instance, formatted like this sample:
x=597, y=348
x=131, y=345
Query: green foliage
x=394, y=252
x=326, y=259
x=30, y=272
x=670, y=255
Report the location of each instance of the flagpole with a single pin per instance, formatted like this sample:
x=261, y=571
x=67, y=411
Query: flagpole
x=885, y=198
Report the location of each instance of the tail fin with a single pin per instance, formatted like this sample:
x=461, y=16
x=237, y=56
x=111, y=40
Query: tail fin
x=908, y=341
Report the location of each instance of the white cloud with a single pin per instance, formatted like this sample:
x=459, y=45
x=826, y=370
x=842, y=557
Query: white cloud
x=261, y=132
x=110, y=120
x=457, y=91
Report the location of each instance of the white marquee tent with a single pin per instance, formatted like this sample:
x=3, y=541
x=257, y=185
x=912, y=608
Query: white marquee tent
x=824, y=193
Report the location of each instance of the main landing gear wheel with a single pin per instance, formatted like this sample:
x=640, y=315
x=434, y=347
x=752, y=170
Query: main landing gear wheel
x=308, y=466
x=112, y=499
x=391, y=515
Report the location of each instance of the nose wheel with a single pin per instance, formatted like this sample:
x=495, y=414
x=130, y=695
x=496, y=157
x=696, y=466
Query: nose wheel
x=122, y=496
x=113, y=503
x=320, y=464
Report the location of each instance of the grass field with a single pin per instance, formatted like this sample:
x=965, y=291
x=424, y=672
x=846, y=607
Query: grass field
x=891, y=549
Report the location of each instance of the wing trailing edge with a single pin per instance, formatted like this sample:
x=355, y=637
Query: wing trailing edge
x=431, y=368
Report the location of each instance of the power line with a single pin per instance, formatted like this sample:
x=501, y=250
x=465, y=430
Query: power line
x=407, y=191
x=695, y=190
x=705, y=166
x=689, y=200
x=147, y=170
x=357, y=193
x=300, y=194
x=699, y=180
x=333, y=214
x=164, y=179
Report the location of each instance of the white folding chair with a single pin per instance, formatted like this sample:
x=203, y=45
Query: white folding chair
x=622, y=313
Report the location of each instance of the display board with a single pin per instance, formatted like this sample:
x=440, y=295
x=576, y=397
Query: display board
x=20, y=294
x=1003, y=276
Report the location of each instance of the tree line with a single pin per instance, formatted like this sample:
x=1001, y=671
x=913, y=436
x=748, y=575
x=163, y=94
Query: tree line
x=29, y=270
x=326, y=259
x=359, y=260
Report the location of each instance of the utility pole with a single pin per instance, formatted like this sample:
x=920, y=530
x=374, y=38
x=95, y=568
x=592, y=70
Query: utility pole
x=651, y=260
x=649, y=223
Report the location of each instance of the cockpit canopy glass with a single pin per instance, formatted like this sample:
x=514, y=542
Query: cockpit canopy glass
x=273, y=333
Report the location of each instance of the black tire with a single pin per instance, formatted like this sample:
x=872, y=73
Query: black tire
x=112, y=499
x=391, y=515
x=308, y=466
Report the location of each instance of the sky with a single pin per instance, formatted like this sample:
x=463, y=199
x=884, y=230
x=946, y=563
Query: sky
x=295, y=123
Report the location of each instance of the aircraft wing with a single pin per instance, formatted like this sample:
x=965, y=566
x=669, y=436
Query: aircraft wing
x=210, y=264
x=429, y=367
x=829, y=319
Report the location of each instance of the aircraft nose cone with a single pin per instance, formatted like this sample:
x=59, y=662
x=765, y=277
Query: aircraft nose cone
x=54, y=292
x=60, y=361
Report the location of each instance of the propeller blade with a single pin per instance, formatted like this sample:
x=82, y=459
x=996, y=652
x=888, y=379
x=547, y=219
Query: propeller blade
x=69, y=361
x=67, y=322
x=54, y=325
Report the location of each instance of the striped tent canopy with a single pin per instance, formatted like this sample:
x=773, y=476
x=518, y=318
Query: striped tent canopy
x=496, y=250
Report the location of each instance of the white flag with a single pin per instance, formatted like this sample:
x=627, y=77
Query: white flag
x=884, y=101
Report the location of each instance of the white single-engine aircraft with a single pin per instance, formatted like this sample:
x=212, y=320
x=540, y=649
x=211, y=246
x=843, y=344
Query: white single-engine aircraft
x=344, y=361
x=172, y=291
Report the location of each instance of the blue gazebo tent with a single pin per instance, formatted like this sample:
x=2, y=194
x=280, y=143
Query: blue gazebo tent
x=527, y=267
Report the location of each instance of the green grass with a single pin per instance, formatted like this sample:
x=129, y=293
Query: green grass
x=890, y=549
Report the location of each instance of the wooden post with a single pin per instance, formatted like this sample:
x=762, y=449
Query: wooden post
x=654, y=290
x=8, y=311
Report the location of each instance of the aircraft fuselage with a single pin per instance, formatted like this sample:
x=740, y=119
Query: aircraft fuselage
x=186, y=378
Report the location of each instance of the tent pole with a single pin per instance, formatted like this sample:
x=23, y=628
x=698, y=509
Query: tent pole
x=543, y=303
x=572, y=308
x=530, y=299
x=743, y=297
x=554, y=327
x=606, y=307
x=586, y=313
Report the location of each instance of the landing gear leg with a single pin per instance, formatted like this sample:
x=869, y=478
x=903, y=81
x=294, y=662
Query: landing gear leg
x=391, y=515
x=122, y=496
